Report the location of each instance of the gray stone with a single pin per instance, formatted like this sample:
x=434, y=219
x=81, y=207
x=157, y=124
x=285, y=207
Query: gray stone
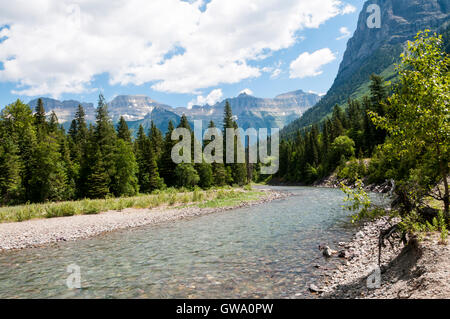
x=314, y=288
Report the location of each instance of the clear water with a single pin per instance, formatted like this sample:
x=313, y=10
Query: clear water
x=267, y=251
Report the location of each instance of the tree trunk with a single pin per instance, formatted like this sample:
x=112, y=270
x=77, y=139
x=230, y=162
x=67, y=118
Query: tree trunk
x=444, y=172
x=446, y=196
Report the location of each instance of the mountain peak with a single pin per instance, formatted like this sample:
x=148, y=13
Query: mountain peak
x=293, y=94
x=244, y=95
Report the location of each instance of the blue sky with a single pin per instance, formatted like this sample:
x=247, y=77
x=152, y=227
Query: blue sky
x=168, y=64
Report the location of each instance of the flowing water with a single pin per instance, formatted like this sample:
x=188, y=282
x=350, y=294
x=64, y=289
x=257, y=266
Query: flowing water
x=266, y=251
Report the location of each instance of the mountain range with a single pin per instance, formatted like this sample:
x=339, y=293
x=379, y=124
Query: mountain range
x=369, y=51
x=137, y=110
x=376, y=51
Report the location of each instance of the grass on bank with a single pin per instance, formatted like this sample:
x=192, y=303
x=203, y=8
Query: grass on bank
x=217, y=197
x=227, y=200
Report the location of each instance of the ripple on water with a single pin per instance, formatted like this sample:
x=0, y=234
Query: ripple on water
x=265, y=251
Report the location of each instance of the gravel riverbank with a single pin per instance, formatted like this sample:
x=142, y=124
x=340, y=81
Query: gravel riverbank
x=420, y=270
x=40, y=232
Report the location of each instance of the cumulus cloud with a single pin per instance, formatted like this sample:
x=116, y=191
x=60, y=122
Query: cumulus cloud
x=212, y=98
x=345, y=33
x=274, y=71
x=348, y=8
x=310, y=64
x=60, y=46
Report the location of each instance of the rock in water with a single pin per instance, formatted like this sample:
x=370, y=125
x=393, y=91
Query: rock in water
x=314, y=288
x=328, y=252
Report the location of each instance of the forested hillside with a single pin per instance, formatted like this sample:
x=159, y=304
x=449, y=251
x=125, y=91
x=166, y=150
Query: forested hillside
x=40, y=162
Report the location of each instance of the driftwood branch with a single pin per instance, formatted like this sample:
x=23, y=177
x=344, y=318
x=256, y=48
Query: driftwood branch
x=388, y=234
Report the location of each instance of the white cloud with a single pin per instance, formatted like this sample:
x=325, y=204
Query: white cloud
x=310, y=64
x=246, y=91
x=60, y=46
x=276, y=73
x=314, y=92
x=212, y=98
x=345, y=33
x=348, y=9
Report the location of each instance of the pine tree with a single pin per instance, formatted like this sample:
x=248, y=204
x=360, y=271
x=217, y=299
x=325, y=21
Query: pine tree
x=155, y=181
x=82, y=131
x=105, y=138
x=228, y=117
x=73, y=130
x=122, y=130
x=85, y=167
x=40, y=120
x=312, y=151
x=337, y=128
x=238, y=170
x=18, y=122
x=98, y=179
x=184, y=123
x=53, y=123
x=141, y=148
x=125, y=181
x=218, y=169
x=148, y=175
x=78, y=146
x=187, y=168
x=378, y=96
x=78, y=137
x=156, y=140
x=49, y=179
x=10, y=170
x=70, y=168
x=325, y=141
x=167, y=165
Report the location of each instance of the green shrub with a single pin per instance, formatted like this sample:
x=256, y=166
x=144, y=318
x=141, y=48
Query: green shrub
x=60, y=210
x=197, y=195
x=26, y=213
x=91, y=208
x=172, y=199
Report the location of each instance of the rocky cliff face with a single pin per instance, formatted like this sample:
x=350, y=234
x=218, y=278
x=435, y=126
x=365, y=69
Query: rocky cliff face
x=400, y=22
x=65, y=110
x=134, y=107
x=374, y=50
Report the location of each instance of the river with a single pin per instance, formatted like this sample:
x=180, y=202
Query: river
x=266, y=251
